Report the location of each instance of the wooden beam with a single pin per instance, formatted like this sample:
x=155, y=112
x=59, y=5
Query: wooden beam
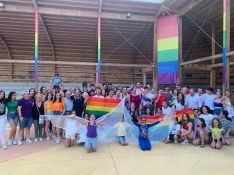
x=220, y=65
x=213, y=70
x=76, y=13
x=9, y=55
x=190, y=6
x=180, y=76
x=198, y=60
x=144, y=76
x=76, y=63
x=35, y=3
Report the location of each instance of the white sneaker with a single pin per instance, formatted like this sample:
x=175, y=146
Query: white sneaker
x=4, y=146
x=14, y=142
x=58, y=140
x=28, y=141
x=36, y=140
x=9, y=142
x=184, y=142
x=40, y=139
x=48, y=138
x=19, y=142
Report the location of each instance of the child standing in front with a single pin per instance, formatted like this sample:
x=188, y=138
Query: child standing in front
x=91, y=142
x=216, y=130
x=121, y=132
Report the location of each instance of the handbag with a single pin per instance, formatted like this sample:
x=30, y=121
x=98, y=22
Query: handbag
x=41, y=117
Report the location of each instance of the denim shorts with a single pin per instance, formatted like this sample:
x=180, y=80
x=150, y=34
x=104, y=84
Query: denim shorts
x=26, y=123
x=12, y=116
x=122, y=139
x=57, y=113
x=91, y=143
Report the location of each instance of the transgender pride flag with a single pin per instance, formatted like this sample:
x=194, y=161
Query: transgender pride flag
x=167, y=43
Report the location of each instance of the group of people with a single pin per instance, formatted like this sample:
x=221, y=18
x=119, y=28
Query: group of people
x=213, y=112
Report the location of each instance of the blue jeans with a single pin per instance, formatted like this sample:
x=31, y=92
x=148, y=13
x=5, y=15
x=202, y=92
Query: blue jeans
x=57, y=113
x=26, y=123
x=122, y=139
x=12, y=116
x=144, y=144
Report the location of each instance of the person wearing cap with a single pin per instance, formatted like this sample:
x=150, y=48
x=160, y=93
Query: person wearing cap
x=143, y=139
x=25, y=114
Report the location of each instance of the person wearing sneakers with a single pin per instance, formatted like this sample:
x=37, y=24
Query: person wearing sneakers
x=38, y=111
x=186, y=129
x=2, y=119
x=12, y=116
x=174, y=132
x=25, y=114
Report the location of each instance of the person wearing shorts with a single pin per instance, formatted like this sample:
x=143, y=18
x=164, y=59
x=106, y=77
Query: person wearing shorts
x=25, y=114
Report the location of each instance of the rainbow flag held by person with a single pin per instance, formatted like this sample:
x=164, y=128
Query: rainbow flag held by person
x=150, y=119
x=100, y=106
x=179, y=114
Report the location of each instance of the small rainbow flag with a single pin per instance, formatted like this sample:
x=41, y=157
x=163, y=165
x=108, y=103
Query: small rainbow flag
x=100, y=106
x=179, y=114
x=150, y=119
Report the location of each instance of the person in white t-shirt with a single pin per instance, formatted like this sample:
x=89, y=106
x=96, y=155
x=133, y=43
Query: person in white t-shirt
x=209, y=99
x=206, y=115
x=192, y=100
x=200, y=95
x=174, y=131
x=146, y=95
x=98, y=93
x=165, y=108
x=179, y=102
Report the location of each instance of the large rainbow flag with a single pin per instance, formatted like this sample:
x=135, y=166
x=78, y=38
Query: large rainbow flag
x=179, y=114
x=100, y=106
x=167, y=44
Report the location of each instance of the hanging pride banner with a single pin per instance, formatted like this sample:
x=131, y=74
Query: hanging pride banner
x=101, y=106
x=167, y=44
x=224, y=39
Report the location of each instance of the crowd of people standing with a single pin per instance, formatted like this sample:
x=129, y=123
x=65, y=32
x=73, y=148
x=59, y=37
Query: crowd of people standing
x=213, y=111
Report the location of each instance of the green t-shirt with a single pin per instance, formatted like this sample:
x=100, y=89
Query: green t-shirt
x=216, y=132
x=12, y=106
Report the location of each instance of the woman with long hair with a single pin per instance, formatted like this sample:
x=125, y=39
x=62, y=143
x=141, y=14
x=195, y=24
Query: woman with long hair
x=58, y=108
x=48, y=112
x=12, y=116
x=228, y=102
x=186, y=129
x=2, y=119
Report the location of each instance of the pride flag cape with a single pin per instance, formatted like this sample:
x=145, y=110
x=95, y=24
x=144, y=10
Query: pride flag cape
x=150, y=119
x=180, y=113
x=100, y=106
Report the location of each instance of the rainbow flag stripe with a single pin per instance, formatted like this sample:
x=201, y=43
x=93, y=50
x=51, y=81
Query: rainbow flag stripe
x=179, y=114
x=150, y=119
x=224, y=39
x=167, y=49
x=36, y=46
x=99, y=48
x=100, y=106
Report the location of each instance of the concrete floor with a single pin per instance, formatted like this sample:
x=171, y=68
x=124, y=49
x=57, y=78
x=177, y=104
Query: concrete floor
x=116, y=160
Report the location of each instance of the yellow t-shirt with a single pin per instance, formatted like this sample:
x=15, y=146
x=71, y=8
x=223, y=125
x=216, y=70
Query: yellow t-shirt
x=58, y=106
x=216, y=132
x=121, y=128
x=49, y=106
